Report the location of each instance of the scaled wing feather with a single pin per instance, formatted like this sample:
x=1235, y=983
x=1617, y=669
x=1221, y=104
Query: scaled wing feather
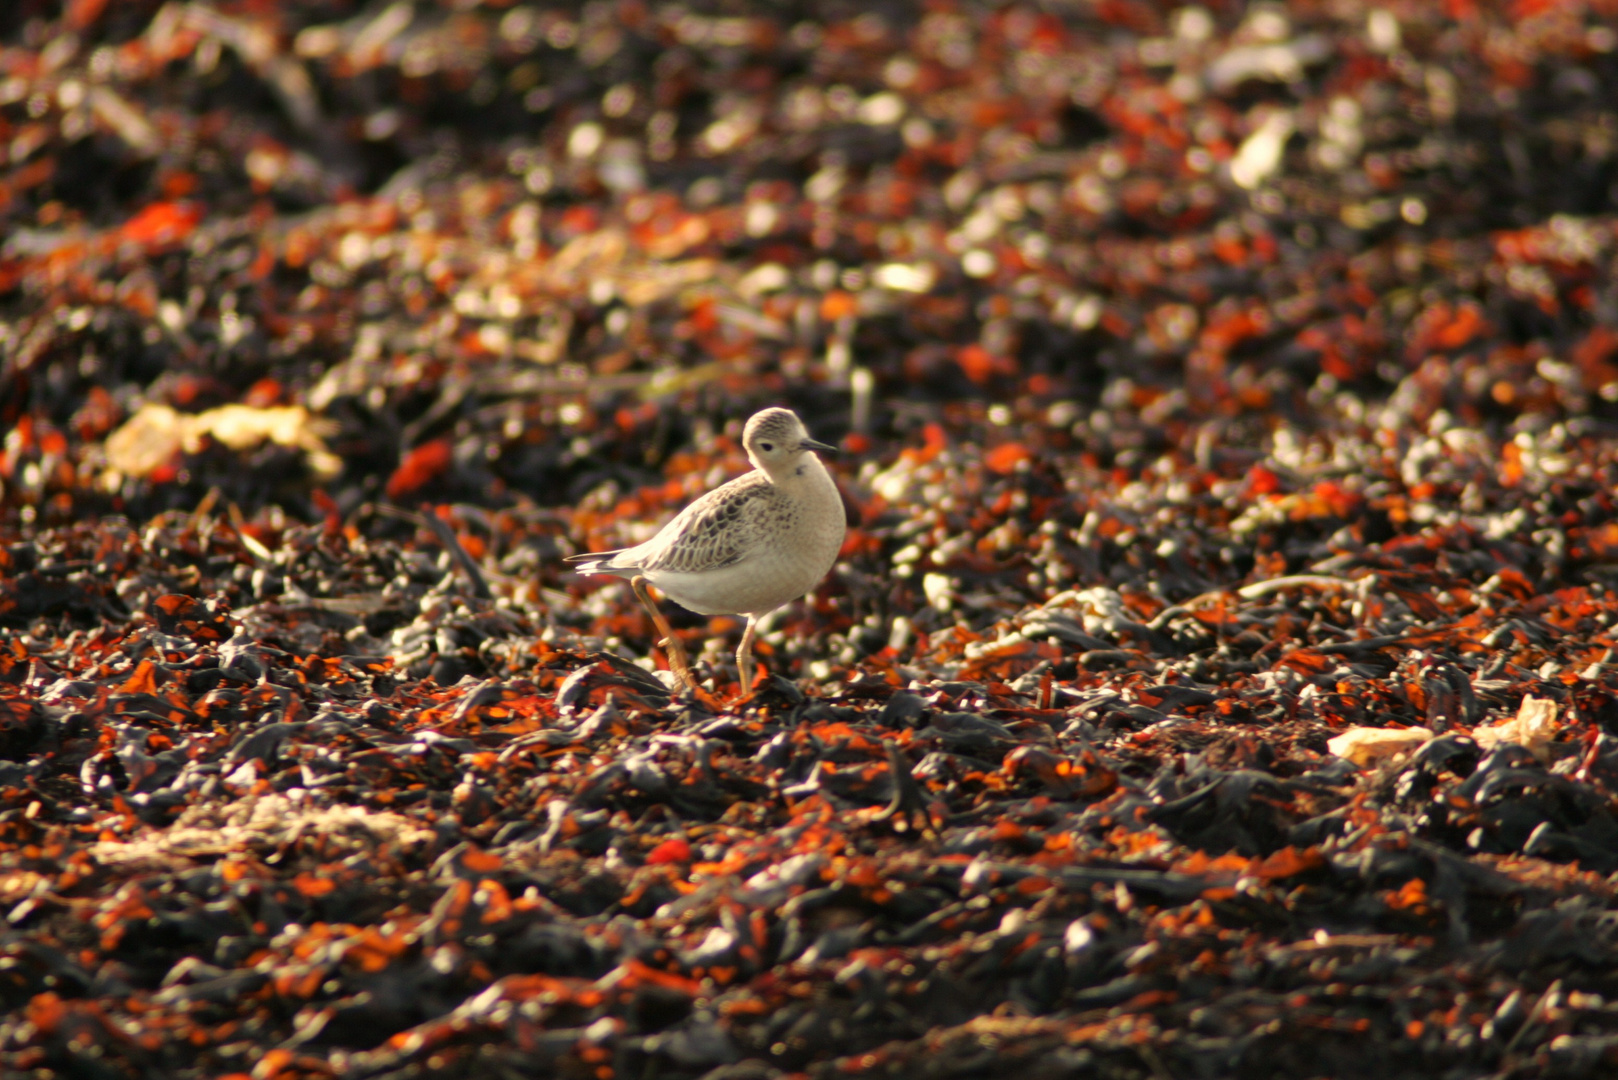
x=705, y=537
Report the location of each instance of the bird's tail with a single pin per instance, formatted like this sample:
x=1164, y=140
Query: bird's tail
x=599, y=562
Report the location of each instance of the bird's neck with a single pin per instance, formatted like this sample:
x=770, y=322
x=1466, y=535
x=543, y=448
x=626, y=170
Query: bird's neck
x=802, y=471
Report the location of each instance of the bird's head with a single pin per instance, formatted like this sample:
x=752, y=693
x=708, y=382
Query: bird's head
x=775, y=441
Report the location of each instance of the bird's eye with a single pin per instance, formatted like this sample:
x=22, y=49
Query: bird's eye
x=768, y=447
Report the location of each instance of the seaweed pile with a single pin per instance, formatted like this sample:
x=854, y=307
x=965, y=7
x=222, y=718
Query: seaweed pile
x=1219, y=674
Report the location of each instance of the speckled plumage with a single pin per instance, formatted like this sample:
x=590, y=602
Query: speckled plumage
x=749, y=546
x=716, y=531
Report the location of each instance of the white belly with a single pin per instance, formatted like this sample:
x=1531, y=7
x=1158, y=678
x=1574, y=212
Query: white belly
x=746, y=588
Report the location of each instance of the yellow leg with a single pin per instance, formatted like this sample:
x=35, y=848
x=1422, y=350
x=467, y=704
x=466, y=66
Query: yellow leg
x=671, y=644
x=744, y=655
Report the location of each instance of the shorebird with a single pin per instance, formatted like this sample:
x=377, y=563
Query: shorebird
x=745, y=548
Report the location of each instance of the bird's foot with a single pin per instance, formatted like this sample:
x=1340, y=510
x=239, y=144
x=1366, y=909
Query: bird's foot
x=674, y=649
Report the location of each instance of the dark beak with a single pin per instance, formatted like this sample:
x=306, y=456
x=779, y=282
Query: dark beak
x=811, y=444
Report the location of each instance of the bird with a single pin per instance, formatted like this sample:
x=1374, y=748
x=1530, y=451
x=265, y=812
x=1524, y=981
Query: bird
x=745, y=548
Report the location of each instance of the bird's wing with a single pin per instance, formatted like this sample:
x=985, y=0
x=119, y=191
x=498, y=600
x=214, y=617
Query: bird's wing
x=592, y=556
x=714, y=531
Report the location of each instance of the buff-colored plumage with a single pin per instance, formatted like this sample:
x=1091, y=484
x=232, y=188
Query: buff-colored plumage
x=746, y=548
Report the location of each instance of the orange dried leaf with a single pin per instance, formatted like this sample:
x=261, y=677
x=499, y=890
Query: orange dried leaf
x=142, y=681
x=1006, y=457
x=162, y=223
x=420, y=467
x=311, y=886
